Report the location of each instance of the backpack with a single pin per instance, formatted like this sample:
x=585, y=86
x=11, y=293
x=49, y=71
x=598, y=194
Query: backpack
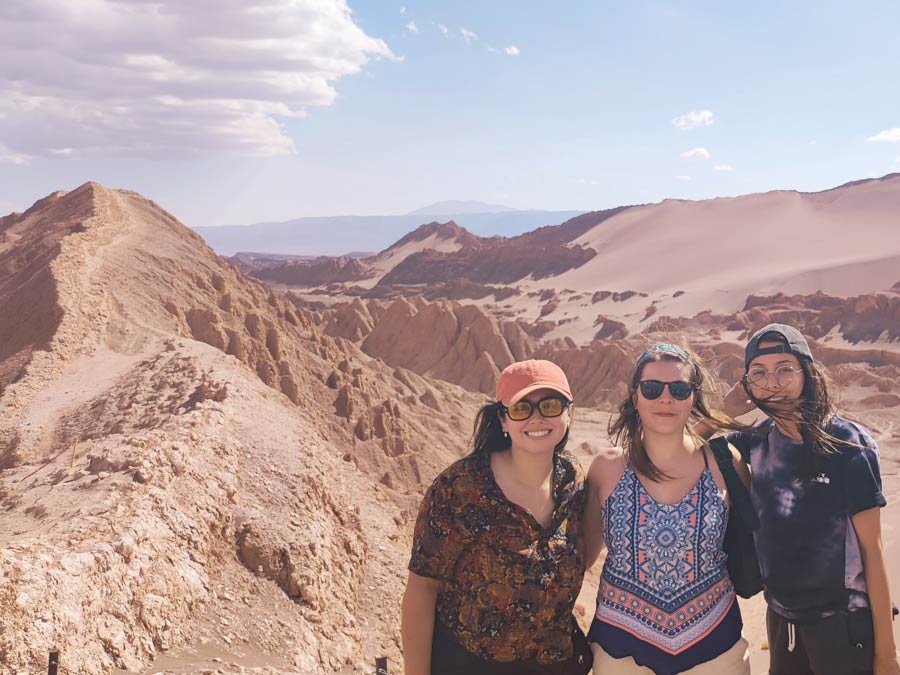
x=742, y=564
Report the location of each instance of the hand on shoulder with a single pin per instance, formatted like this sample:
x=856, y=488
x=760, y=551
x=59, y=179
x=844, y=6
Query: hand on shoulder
x=737, y=402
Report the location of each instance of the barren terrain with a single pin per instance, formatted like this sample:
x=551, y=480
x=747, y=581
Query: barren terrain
x=203, y=473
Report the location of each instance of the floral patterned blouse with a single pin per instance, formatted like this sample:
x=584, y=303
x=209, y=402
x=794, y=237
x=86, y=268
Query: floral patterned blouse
x=508, y=585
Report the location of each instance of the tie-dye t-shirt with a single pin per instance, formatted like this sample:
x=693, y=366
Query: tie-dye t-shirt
x=808, y=551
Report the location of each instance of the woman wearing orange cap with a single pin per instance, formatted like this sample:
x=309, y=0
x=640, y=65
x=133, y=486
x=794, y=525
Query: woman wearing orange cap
x=498, y=558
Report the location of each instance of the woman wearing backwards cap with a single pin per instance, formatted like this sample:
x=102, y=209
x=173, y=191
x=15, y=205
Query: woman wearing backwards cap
x=817, y=491
x=497, y=557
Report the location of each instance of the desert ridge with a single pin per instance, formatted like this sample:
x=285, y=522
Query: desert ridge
x=189, y=460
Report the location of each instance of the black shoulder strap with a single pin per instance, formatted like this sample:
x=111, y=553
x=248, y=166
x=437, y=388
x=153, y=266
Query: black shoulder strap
x=740, y=496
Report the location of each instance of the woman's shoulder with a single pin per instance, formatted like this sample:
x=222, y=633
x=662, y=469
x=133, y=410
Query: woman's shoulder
x=607, y=469
x=464, y=474
x=751, y=436
x=732, y=445
x=854, y=433
x=608, y=462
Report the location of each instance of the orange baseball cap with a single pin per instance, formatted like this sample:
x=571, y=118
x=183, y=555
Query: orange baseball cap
x=523, y=377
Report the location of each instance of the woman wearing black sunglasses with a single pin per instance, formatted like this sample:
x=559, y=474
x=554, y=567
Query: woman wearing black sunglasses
x=498, y=556
x=666, y=604
x=817, y=492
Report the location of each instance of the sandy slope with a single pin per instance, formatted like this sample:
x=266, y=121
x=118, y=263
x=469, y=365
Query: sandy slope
x=750, y=243
x=717, y=252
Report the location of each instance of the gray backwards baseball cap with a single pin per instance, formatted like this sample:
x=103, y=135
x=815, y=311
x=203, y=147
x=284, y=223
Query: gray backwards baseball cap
x=791, y=339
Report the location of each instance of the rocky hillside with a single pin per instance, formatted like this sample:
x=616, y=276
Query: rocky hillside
x=859, y=337
x=188, y=460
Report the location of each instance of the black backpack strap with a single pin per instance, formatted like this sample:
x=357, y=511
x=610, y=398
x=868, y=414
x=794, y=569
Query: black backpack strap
x=741, y=503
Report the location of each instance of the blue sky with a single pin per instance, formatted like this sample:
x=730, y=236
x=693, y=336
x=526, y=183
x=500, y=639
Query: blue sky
x=392, y=106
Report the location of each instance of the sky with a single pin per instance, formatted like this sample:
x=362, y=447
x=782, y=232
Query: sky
x=242, y=111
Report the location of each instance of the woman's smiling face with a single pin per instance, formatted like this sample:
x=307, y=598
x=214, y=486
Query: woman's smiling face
x=537, y=434
x=765, y=385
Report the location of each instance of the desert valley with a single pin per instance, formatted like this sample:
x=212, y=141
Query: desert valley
x=213, y=464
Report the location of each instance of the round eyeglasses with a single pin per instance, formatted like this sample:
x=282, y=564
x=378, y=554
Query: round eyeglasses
x=759, y=376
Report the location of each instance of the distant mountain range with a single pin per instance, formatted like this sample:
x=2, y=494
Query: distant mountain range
x=676, y=258
x=336, y=235
x=458, y=207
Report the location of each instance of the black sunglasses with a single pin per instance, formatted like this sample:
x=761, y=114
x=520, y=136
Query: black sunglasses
x=679, y=389
x=550, y=406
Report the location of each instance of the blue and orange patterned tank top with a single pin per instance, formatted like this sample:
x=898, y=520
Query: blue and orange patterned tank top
x=665, y=597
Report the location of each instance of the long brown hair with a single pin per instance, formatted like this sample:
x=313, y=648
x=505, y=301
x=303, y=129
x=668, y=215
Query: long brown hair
x=812, y=416
x=625, y=427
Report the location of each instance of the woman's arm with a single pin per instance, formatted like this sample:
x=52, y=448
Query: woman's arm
x=743, y=471
x=417, y=623
x=867, y=525
x=593, y=516
x=606, y=470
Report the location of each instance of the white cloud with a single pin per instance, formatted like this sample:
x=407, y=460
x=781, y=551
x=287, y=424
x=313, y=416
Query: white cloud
x=586, y=181
x=684, y=178
x=7, y=156
x=167, y=78
x=512, y=50
x=694, y=119
x=468, y=35
x=412, y=27
x=888, y=135
x=443, y=28
x=702, y=153
x=403, y=9
x=723, y=167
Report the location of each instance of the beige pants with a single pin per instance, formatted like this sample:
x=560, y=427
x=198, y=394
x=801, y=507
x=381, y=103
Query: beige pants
x=736, y=661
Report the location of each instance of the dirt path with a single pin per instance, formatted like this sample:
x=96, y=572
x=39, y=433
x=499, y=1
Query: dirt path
x=80, y=381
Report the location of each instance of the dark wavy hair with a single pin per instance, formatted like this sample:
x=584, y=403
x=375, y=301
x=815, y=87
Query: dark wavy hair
x=488, y=436
x=625, y=427
x=812, y=416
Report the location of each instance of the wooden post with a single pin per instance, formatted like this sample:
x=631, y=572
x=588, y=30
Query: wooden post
x=53, y=665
